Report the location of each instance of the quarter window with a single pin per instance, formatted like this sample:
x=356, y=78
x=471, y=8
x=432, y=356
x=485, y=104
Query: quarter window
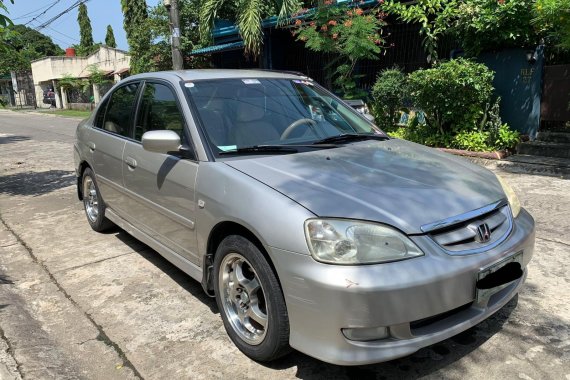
x=121, y=107
x=158, y=111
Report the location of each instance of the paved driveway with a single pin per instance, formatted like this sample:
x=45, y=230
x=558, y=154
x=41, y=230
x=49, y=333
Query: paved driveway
x=77, y=304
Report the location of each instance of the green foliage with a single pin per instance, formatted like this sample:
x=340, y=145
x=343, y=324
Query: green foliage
x=84, y=51
x=23, y=45
x=553, y=20
x=5, y=22
x=136, y=26
x=490, y=24
x=454, y=95
x=348, y=33
x=158, y=25
x=248, y=15
x=110, y=37
x=434, y=16
x=85, y=30
x=484, y=141
x=457, y=99
x=388, y=93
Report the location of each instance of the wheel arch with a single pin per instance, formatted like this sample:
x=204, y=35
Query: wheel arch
x=218, y=233
x=82, y=166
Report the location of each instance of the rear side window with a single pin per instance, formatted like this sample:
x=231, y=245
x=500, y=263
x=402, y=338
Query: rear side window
x=158, y=111
x=120, y=109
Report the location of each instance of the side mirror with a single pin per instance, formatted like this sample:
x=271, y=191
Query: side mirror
x=161, y=141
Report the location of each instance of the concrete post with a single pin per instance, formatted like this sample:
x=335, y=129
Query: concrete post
x=57, y=98
x=39, y=95
x=96, y=95
x=64, y=98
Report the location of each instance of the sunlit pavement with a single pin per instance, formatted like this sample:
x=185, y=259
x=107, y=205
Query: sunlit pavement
x=77, y=304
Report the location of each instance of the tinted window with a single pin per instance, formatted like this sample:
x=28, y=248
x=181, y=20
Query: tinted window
x=158, y=111
x=119, y=110
x=100, y=118
x=264, y=111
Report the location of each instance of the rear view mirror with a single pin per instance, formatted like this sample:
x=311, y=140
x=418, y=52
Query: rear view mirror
x=161, y=141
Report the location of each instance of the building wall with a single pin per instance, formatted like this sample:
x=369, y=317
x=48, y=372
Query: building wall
x=48, y=70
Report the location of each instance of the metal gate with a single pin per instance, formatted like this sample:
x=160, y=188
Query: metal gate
x=555, y=104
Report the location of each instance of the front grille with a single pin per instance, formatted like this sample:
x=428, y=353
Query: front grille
x=463, y=237
x=415, y=326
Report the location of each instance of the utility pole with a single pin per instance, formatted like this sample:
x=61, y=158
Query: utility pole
x=172, y=7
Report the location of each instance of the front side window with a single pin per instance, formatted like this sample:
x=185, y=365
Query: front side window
x=120, y=109
x=158, y=111
x=241, y=113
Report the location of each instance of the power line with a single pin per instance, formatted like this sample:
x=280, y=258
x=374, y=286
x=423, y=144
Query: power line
x=43, y=13
x=69, y=9
x=63, y=34
x=27, y=15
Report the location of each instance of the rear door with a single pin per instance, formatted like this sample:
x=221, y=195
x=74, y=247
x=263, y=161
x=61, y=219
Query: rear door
x=113, y=125
x=161, y=187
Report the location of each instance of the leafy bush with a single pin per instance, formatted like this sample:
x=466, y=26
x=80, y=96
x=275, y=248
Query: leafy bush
x=455, y=95
x=347, y=32
x=388, y=93
x=553, y=19
x=490, y=24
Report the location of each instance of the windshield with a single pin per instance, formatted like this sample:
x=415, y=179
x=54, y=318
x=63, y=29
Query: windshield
x=243, y=113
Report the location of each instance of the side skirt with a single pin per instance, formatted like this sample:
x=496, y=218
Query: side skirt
x=180, y=262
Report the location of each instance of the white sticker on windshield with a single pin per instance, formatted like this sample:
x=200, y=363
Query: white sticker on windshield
x=189, y=84
x=306, y=82
x=225, y=148
x=251, y=81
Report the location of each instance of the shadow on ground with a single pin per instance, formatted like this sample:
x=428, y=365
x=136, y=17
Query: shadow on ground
x=182, y=279
x=36, y=183
x=12, y=139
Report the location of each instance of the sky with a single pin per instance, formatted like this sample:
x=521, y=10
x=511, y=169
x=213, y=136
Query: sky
x=65, y=30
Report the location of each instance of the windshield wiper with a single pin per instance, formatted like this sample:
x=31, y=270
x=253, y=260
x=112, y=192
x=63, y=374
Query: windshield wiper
x=350, y=137
x=261, y=149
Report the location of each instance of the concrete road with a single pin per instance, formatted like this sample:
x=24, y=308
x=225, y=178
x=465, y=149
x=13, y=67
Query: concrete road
x=78, y=304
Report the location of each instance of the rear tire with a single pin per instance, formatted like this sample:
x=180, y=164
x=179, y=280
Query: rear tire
x=250, y=300
x=93, y=203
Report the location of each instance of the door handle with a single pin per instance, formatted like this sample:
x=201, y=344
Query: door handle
x=91, y=146
x=131, y=162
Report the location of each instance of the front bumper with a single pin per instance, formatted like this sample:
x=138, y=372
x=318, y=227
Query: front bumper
x=422, y=301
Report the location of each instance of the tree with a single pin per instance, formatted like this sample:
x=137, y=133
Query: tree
x=136, y=26
x=85, y=30
x=490, y=24
x=110, y=37
x=434, y=16
x=248, y=16
x=4, y=23
x=23, y=45
x=553, y=20
x=348, y=34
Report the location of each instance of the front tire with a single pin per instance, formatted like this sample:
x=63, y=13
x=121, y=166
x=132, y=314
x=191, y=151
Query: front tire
x=250, y=300
x=93, y=203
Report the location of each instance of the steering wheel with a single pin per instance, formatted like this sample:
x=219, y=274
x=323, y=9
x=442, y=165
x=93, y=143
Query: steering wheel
x=294, y=126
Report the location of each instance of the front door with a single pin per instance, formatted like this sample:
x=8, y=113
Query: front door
x=161, y=187
x=107, y=140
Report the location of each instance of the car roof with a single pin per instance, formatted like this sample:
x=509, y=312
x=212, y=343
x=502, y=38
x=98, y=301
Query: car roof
x=198, y=74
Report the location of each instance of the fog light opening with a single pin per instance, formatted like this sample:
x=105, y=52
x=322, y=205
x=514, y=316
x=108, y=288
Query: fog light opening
x=366, y=334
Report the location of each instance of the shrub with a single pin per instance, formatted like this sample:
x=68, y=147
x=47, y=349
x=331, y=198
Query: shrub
x=388, y=93
x=490, y=24
x=454, y=95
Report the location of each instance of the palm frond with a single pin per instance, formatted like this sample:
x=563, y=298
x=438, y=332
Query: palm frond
x=208, y=14
x=286, y=8
x=249, y=23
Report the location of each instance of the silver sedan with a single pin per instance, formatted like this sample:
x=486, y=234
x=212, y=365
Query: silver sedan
x=313, y=229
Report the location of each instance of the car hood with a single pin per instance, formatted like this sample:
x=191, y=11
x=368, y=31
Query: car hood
x=396, y=182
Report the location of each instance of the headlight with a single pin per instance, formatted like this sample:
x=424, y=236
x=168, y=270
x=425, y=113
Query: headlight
x=346, y=242
x=511, y=196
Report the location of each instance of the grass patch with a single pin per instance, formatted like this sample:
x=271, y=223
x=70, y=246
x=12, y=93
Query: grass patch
x=72, y=113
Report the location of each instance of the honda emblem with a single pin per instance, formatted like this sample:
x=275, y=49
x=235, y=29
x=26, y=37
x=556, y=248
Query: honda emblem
x=483, y=233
